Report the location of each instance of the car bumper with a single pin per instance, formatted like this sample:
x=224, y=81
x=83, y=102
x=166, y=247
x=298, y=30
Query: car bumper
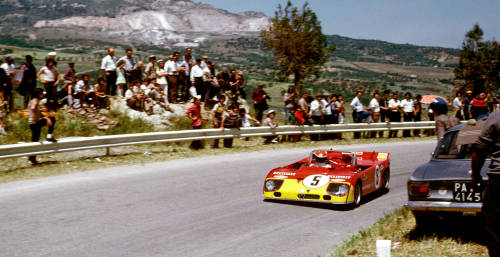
x=437, y=206
x=307, y=200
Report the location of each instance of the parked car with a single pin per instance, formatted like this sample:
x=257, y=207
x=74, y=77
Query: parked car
x=442, y=187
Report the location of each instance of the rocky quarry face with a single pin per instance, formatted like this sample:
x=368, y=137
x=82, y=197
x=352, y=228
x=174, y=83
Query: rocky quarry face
x=163, y=21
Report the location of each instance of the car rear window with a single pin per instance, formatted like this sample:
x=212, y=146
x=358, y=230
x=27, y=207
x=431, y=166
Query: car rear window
x=448, y=149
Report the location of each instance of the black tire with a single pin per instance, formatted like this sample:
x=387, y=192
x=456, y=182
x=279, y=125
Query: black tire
x=357, y=195
x=386, y=176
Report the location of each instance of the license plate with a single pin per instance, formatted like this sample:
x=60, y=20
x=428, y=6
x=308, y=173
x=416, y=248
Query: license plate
x=463, y=192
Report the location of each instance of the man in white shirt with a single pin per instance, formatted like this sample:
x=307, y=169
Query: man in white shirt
x=374, y=108
x=108, y=65
x=316, y=112
x=358, y=111
x=457, y=106
x=84, y=92
x=183, y=82
x=407, y=106
x=10, y=69
x=172, y=77
x=395, y=114
x=130, y=66
x=196, y=78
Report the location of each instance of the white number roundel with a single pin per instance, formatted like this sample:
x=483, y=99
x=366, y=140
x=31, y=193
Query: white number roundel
x=316, y=181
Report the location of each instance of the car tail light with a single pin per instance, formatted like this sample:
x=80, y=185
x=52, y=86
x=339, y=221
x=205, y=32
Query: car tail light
x=421, y=190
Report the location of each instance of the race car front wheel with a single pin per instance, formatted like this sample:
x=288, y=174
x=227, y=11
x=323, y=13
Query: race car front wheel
x=357, y=195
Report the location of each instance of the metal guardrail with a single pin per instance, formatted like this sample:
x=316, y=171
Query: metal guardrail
x=86, y=143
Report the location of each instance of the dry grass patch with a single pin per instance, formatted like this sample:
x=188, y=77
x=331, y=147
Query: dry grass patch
x=458, y=237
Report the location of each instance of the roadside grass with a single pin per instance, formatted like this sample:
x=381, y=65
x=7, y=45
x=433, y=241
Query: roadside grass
x=72, y=162
x=458, y=237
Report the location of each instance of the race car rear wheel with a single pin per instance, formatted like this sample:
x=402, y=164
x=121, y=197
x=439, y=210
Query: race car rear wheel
x=385, y=180
x=357, y=195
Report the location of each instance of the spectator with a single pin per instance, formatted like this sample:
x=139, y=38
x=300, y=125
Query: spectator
x=130, y=66
x=36, y=121
x=291, y=119
x=327, y=110
x=316, y=113
x=240, y=82
x=407, y=108
x=213, y=87
x=196, y=78
x=3, y=103
x=101, y=100
x=246, y=118
x=121, y=82
x=204, y=61
x=194, y=114
x=69, y=73
x=217, y=113
x=268, y=122
x=341, y=111
x=161, y=77
x=383, y=103
x=374, y=108
x=49, y=77
x=151, y=68
x=260, y=97
x=358, y=111
x=458, y=106
x=134, y=99
x=230, y=119
x=10, y=69
x=223, y=79
x=109, y=67
x=304, y=103
x=189, y=57
x=288, y=99
x=66, y=94
x=184, y=82
x=394, y=106
x=479, y=107
x=466, y=103
x=300, y=116
x=28, y=83
x=51, y=56
x=443, y=121
x=172, y=77
x=417, y=113
x=84, y=93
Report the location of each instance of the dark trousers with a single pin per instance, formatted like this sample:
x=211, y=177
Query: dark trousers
x=491, y=214
x=183, y=85
x=407, y=118
x=318, y=120
x=357, y=117
x=196, y=144
x=259, y=109
x=51, y=91
x=215, y=142
x=172, y=88
x=199, y=85
x=384, y=117
x=394, y=117
x=417, y=118
x=36, y=129
x=111, y=83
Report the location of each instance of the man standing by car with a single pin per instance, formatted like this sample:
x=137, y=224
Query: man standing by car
x=489, y=143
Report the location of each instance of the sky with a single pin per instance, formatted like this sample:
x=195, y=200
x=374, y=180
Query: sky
x=420, y=22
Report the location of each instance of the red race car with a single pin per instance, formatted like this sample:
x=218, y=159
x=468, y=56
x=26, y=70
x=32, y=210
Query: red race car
x=330, y=176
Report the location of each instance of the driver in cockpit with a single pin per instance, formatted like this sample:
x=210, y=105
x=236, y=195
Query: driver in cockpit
x=321, y=160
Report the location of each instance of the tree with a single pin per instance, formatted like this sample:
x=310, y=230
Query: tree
x=297, y=42
x=479, y=63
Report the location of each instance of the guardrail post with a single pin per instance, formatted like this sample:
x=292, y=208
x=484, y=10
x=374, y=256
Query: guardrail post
x=108, y=151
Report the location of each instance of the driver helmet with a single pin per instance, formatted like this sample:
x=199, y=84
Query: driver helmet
x=320, y=157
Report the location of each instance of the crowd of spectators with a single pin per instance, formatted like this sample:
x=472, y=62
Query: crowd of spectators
x=187, y=79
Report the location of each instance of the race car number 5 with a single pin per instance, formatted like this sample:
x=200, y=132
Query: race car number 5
x=316, y=181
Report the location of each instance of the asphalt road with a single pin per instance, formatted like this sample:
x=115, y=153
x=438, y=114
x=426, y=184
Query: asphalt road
x=209, y=206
